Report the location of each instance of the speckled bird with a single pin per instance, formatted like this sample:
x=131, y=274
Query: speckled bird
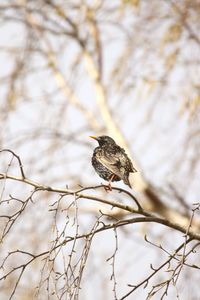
x=111, y=162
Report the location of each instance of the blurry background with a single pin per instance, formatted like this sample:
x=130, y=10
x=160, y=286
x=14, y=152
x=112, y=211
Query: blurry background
x=70, y=69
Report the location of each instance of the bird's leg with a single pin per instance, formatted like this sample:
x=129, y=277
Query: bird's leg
x=109, y=187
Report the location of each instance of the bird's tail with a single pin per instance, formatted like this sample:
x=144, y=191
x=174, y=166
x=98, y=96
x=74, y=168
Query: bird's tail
x=126, y=181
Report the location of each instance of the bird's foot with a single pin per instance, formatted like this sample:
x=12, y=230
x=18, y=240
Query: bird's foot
x=108, y=188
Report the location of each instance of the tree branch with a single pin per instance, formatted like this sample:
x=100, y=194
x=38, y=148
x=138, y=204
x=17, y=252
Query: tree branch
x=151, y=217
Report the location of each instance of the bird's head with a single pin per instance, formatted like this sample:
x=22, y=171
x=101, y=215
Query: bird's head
x=103, y=140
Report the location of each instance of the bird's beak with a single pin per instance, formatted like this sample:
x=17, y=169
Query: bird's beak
x=93, y=137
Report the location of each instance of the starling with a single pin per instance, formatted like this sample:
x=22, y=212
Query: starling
x=111, y=162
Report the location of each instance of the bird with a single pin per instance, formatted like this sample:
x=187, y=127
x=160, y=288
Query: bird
x=111, y=162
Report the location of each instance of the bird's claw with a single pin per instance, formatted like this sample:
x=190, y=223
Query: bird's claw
x=108, y=188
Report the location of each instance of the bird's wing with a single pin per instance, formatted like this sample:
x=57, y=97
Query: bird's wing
x=117, y=162
x=114, y=163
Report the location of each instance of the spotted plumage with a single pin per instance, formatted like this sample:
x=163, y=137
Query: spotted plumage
x=110, y=161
